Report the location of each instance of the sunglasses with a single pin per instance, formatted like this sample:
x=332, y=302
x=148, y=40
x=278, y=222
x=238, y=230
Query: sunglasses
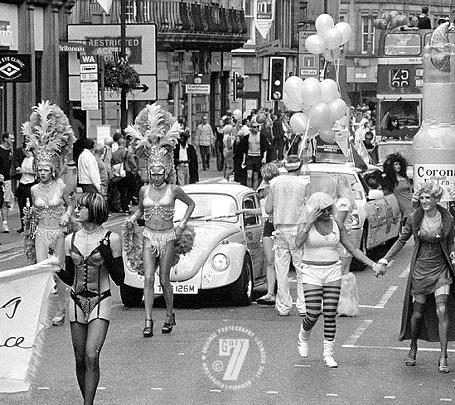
x=326, y=209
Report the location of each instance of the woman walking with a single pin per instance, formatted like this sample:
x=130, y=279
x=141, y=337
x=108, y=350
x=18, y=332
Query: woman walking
x=320, y=235
x=428, y=292
x=47, y=221
x=92, y=254
x=156, y=205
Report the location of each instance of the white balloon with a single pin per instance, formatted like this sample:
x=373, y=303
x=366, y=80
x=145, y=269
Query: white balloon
x=311, y=91
x=319, y=115
x=333, y=38
x=293, y=87
x=327, y=135
x=337, y=109
x=315, y=44
x=345, y=30
x=299, y=123
x=292, y=103
x=323, y=23
x=237, y=114
x=329, y=90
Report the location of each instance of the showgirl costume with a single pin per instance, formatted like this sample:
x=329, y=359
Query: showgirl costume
x=156, y=133
x=156, y=240
x=50, y=138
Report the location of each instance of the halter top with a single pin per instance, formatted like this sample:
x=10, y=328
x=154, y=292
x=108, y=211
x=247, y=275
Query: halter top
x=52, y=206
x=163, y=209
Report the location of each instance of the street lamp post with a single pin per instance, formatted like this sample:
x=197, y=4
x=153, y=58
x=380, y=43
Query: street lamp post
x=123, y=105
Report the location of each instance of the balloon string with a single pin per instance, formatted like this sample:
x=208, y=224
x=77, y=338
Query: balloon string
x=337, y=74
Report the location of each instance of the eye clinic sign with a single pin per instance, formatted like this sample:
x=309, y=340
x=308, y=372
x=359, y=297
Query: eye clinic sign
x=15, y=68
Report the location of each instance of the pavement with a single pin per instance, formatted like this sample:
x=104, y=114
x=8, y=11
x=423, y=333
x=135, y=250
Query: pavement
x=13, y=240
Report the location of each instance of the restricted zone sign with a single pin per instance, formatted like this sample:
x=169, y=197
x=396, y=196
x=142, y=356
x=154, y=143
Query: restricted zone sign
x=103, y=40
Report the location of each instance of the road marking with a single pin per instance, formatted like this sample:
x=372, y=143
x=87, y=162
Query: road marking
x=215, y=390
x=331, y=395
x=156, y=389
x=11, y=257
x=358, y=332
x=101, y=388
x=43, y=388
x=390, y=397
x=302, y=365
x=446, y=399
x=424, y=349
x=405, y=272
x=272, y=392
x=386, y=296
x=181, y=354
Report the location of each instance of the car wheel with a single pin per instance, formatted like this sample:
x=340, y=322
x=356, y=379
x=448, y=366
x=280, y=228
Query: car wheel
x=356, y=265
x=241, y=291
x=131, y=296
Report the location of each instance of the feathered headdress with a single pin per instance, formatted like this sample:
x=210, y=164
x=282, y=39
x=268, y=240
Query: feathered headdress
x=156, y=133
x=48, y=135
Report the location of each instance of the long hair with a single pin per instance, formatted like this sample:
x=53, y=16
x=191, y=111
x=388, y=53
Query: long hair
x=98, y=210
x=340, y=188
x=389, y=171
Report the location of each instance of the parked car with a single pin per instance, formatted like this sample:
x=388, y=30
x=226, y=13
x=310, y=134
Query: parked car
x=227, y=251
x=376, y=217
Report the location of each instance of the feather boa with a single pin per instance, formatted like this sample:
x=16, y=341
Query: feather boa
x=133, y=243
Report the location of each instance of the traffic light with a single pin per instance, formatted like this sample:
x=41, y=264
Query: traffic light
x=277, y=76
x=239, y=84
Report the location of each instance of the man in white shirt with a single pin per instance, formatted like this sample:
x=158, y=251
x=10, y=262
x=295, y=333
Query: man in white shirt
x=185, y=161
x=205, y=140
x=87, y=169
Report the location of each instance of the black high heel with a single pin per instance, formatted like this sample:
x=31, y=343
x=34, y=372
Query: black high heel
x=148, y=330
x=443, y=368
x=167, y=327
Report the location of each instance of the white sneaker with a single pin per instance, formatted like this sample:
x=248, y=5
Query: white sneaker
x=329, y=361
x=302, y=345
x=5, y=228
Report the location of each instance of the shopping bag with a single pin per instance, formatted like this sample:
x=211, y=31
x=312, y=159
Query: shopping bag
x=349, y=296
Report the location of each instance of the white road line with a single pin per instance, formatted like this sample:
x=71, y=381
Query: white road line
x=215, y=390
x=11, y=257
x=405, y=272
x=386, y=296
x=331, y=395
x=421, y=349
x=302, y=365
x=390, y=397
x=368, y=306
x=43, y=388
x=358, y=332
x=101, y=388
x=272, y=392
x=156, y=389
x=446, y=399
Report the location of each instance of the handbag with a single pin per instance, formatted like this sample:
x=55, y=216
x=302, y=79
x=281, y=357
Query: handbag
x=348, y=305
x=118, y=169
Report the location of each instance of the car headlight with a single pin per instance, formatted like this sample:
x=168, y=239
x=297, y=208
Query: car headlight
x=220, y=262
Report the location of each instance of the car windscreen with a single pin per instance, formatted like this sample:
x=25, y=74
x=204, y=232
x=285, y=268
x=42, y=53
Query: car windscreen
x=320, y=181
x=209, y=206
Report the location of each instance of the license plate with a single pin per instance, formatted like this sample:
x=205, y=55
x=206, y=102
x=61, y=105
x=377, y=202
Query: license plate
x=179, y=289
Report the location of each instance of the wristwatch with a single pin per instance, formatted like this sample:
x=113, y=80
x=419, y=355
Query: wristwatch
x=383, y=261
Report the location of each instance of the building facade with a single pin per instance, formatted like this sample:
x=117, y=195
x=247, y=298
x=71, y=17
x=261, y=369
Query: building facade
x=30, y=28
x=193, y=44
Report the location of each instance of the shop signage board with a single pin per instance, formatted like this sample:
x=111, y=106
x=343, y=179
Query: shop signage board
x=104, y=40
x=308, y=62
x=15, y=68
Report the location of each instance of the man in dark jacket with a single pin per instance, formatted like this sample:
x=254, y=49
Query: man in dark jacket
x=185, y=161
x=424, y=21
x=278, y=138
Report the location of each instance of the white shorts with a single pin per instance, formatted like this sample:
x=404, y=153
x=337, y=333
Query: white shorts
x=321, y=275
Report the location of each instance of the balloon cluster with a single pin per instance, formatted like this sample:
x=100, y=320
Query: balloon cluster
x=390, y=20
x=317, y=106
x=329, y=37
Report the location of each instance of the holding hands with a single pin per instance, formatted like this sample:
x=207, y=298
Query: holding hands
x=380, y=267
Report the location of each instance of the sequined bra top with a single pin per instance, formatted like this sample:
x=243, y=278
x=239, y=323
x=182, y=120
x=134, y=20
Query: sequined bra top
x=51, y=207
x=163, y=209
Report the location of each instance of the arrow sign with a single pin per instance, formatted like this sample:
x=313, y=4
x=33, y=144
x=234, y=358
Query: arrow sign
x=143, y=87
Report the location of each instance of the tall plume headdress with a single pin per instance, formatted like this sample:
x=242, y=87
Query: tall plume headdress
x=156, y=133
x=49, y=136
